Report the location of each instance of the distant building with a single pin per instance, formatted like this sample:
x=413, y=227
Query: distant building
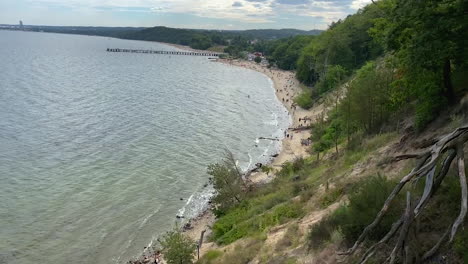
x=21, y=25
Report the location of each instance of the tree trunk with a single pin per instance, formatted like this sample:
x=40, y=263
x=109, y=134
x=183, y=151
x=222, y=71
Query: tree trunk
x=448, y=87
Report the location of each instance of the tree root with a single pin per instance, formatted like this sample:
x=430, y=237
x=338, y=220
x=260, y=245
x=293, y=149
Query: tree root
x=450, y=146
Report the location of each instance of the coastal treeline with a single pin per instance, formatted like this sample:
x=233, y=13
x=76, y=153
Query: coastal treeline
x=231, y=41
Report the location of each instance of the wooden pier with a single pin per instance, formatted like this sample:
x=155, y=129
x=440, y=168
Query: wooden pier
x=167, y=52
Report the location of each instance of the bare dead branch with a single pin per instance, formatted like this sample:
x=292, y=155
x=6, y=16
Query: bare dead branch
x=436, y=247
x=408, y=218
x=370, y=252
x=409, y=156
x=426, y=167
x=464, y=192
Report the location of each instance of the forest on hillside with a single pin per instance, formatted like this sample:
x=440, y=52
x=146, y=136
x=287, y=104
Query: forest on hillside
x=205, y=39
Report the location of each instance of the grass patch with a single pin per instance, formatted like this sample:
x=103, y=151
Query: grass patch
x=210, y=257
x=237, y=224
x=331, y=196
x=243, y=253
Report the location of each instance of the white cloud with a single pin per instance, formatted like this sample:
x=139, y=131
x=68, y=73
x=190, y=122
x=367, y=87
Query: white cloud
x=356, y=4
x=243, y=11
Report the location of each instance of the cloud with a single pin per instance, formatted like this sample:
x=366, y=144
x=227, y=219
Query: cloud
x=264, y=13
x=357, y=4
x=293, y=2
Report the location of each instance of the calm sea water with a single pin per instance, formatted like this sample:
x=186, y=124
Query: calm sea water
x=97, y=148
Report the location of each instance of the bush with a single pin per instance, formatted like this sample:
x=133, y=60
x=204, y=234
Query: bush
x=330, y=197
x=363, y=206
x=321, y=232
x=177, y=247
x=304, y=99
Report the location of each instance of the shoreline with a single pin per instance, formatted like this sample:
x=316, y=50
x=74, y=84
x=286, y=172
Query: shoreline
x=286, y=87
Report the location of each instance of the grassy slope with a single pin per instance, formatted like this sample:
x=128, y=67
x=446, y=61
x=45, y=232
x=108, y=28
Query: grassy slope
x=273, y=224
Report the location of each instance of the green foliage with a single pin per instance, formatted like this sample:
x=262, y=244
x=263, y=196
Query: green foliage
x=266, y=169
x=258, y=59
x=332, y=78
x=243, y=253
x=228, y=183
x=320, y=233
x=346, y=43
x=460, y=245
x=238, y=41
x=369, y=103
x=244, y=221
x=210, y=257
x=304, y=99
x=178, y=248
x=364, y=204
x=331, y=196
x=351, y=219
x=427, y=54
x=285, y=52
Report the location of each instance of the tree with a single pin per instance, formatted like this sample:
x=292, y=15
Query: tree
x=332, y=79
x=178, y=248
x=258, y=59
x=228, y=183
x=428, y=38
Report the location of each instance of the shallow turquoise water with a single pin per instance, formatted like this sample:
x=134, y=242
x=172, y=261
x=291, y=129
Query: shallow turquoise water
x=97, y=148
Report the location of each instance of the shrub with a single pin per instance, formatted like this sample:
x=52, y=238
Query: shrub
x=304, y=99
x=177, y=247
x=320, y=233
x=330, y=197
x=363, y=206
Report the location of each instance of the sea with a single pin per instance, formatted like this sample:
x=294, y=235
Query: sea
x=100, y=151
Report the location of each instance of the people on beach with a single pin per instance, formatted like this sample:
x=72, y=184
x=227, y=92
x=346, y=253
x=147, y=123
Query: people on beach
x=157, y=257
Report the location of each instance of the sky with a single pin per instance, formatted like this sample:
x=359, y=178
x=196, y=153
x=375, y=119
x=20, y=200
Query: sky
x=206, y=14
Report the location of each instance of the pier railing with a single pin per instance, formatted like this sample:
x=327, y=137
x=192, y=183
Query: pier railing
x=168, y=52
